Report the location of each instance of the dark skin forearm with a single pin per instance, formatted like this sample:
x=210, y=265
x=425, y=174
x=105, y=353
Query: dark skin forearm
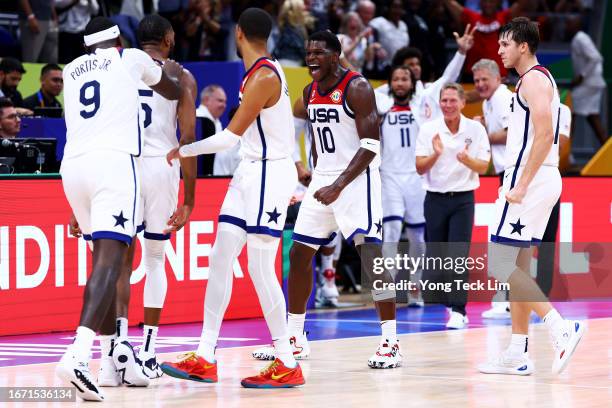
x=186, y=121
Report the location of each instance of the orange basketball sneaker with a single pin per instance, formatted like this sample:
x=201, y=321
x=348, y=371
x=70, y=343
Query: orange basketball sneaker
x=191, y=367
x=276, y=375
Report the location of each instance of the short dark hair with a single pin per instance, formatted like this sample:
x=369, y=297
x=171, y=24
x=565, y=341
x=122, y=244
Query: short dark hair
x=405, y=67
x=331, y=41
x=9, y=64
x=255, y=23
x=404, y=53
x=49, y=67
x=98, y=24
x=152, y=29
x=5, y=103
x=523, y=30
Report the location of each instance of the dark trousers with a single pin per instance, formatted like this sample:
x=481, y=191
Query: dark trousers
x=449, y=218
x=70, y=46
x=546, y=252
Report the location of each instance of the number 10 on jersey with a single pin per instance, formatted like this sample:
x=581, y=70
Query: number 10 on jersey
x=326, y=140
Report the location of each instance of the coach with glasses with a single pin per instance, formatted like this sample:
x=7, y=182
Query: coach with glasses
x=450, y=154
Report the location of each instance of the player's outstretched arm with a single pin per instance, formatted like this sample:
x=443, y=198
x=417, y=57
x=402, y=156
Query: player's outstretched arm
x=187, y=124
x=538, y=93
x=169, y=84
x=262, y=90
x=360, y=98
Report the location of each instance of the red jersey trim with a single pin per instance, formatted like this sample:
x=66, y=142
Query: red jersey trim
x=261, y=62
x=400, y=108
x=335, y=95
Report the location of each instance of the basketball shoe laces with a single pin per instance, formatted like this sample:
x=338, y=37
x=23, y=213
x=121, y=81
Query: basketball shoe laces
x=186, y=359
x=269, y=369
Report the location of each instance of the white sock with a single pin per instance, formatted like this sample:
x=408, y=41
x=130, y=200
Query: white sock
x=262, y=255
x=389, y=330
x=228, y=244
x=156, y=283
x=554, y=321
x=106, y=344
x=122, y=329
x=207, y=345
x=149, y=337
x=296, y=323
x=284, y=351
x=83, y=342
x=518, y=344
x=327, y=262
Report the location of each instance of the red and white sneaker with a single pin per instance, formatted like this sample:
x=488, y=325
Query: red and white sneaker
x=191, y=367
x=565, y=343
x=276, y=375
x=299, y=344
x=387, y=356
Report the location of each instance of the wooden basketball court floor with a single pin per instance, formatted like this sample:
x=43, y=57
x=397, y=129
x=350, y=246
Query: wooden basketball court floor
x=439, y=370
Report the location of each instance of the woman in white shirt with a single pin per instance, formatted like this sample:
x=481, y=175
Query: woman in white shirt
x=354, y=39
x=451, y=152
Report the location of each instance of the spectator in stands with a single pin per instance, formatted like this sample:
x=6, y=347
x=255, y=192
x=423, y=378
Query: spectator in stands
x=588, y=84
x=487, y=23
x=11, y=71
x=51, y=85
x=440, y=28
x=376, y=67
x=205, y=36
x=366, y=10
x=392, y=31
x=293, y=21
x=213, y=102
x=354, y=39
x=38, y=27
x=10, y=122
x=418, y=31
x=73, y=16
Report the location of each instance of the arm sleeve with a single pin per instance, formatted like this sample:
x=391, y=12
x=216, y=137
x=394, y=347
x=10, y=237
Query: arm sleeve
x=483, y=151
x=451, y=73
x=141, y=66
x=213, y=144
x=423, y=142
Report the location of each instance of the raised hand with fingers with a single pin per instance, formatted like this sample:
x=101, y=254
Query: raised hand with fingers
x=466, y=41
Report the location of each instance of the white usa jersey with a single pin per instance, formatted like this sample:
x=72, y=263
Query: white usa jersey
x=399, y=130
x=271, y=136
x=101, y=100
x=520, y=127
x=158, y=122
x=334, y=131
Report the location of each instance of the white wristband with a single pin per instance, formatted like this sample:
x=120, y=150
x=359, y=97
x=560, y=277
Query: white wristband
x=213, y=144
x=372, y=145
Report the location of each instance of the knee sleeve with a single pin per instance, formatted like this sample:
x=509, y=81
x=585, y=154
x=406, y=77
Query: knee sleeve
x=156, y=283
x=502, y=261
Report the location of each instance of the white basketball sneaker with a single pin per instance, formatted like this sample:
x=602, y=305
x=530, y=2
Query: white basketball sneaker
x=506, y=363
x=329, y=290
x=108, y=375
x=150, y=366
x=73, y=371
x=498, y=310
x=565, y=343
x=129, y=366
x=457, y=321
x=299, y=344
x=387, y=355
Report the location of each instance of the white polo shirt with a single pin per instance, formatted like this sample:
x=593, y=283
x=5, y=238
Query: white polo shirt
x=449, y=174
x=497, y=113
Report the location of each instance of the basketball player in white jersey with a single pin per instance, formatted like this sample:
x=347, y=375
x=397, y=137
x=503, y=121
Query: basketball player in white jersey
x=345, y=191
x=402, y=190
x=254, y=208
x=159, y=187
x=532, y=185
x=100, y=174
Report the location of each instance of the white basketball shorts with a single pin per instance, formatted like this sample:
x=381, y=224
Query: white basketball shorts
x=357, y=211
x=103, y=189
x=258, y=196
x=403, y=197
x=524, y=224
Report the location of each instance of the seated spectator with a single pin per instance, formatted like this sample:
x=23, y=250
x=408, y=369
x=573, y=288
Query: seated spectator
x=10, y=122
x=73, y=16
x=392, y=31
x=11, y=71
x=354, y=39
x=213, y=102
x=293, y=22
x=487, y=23
x=51, y=85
